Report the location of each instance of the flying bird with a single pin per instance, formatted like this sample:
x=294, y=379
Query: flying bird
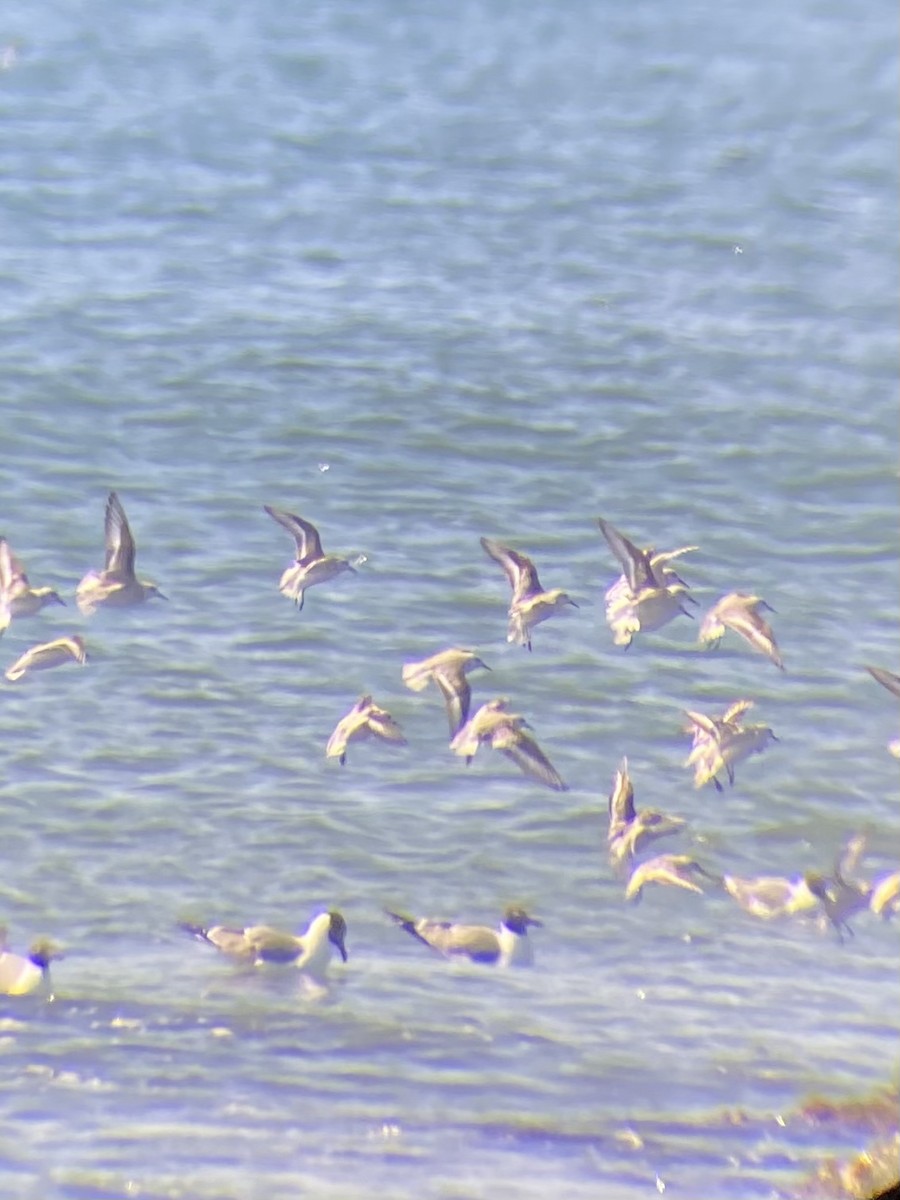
x=312, y=565
x=48, y=655
x=530, y=603
x=116, y=586
x=495, y=726
x=720, y=743
x=648, y=594
x=448, y=670
x=741, y=612
x=364, y=720
x=17, y=597
x=628, y=827
x=673, y=870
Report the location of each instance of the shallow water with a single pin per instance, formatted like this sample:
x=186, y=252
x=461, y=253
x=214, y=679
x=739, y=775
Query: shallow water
x=422, y=277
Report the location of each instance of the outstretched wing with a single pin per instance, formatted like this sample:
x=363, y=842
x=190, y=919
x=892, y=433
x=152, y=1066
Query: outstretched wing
x=635, y=563
x=528, y=757
x=520, y=570
x=119, y=542
x=309, y=545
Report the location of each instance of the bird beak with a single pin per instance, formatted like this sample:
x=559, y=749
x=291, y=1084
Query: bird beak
x=534, y=921
x=572, y=602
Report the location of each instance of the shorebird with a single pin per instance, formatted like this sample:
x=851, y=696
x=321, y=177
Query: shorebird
x=741, y=612
x=47, y=655
x=885, y=898
x=627, y=827
x=771, y=896
x=505, y=731
x=116, y=586
x=364, y=720
x=888, y=680
x=21, y=974
x=311, y=566
x=262, y=945
x=720, y=743
x=676, y=870
x=530, y=602
x=448, y=670
x=504, y=947
x=17, y=597
x=648, y=594
x=841, y=896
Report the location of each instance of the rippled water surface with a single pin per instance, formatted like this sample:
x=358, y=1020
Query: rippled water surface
x=424, y=274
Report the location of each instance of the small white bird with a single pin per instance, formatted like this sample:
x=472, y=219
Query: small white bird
x=262, y=945
x=504, y=947
x=47, y=655
x=116, y=586
x=741, y=612
x=364, y=720
x=720, y=743
x=770, y=897
x=531, y=603
x=628, y=827
x=448, y=670
x=312, y=565
x=648, y=594
x=675, y=870
x=495, y=726
x=17, y=597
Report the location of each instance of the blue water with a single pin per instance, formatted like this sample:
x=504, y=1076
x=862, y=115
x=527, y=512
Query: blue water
x=424, y=274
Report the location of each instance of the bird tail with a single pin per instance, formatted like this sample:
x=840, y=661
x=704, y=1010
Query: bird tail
x=407, y=923
x=198, y=931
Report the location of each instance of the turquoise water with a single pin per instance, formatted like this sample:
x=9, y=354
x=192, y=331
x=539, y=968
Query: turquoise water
x=423, y=276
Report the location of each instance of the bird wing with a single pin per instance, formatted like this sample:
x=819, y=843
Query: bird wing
x=850, y=857
x=309, y=545
x=756, y=630
x=528, y=757
x=702, y=724
x=457, y=696
x=229, y=941
x=416, y=675
x=420, y=929
x=475, y=942
x=621, y=800
x=731, y=715
x=383, y=725
x=887, y=679
x=119, y=542
x=520, y=570
x=634, y=562
x=12, y=574
x=272, y=945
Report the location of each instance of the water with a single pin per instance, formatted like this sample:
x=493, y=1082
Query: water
x=422, y=276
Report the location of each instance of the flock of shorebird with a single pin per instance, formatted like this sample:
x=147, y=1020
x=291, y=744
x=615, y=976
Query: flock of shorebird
x=647, y=595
